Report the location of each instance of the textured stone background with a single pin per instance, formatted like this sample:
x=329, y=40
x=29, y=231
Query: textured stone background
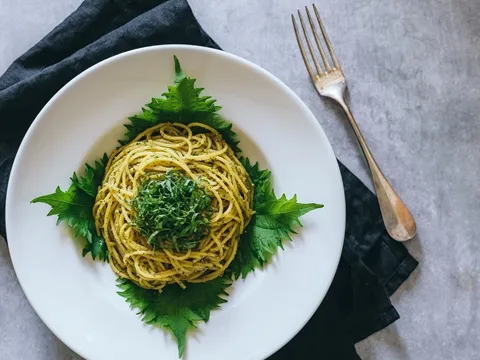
x=414, y=70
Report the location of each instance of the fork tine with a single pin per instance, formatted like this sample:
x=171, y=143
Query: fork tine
x=327, y=40
x=302, y=49
x=317, y=40
x=309, y=44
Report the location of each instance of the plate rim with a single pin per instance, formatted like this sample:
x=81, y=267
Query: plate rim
x=9, y=197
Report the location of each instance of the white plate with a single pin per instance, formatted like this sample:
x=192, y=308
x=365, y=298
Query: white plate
x=77, y=298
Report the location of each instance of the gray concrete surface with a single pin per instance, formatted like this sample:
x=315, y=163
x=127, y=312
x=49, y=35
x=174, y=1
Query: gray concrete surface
x=414, y=73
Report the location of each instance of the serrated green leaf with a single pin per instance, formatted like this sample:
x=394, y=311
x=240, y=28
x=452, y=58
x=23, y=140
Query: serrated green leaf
x=74, y=206
x=179, y=74
x=176, y=309
x=97, y=247
x=272, y=223
x=182, y=103
x=93, y=177
x=262, y=182
x=245, y=260
x=286, y=212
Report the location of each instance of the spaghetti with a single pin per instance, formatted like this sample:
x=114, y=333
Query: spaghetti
x=200, y=153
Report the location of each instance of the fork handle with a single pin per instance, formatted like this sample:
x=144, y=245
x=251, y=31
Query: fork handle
x=398, y=221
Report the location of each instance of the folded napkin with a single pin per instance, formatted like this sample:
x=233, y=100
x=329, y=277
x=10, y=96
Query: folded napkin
x=372, y=264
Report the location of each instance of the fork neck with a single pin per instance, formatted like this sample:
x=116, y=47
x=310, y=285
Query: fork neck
x=335, y=91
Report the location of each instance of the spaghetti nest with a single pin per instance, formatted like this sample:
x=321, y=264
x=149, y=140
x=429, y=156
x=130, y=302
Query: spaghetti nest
x=202, y=157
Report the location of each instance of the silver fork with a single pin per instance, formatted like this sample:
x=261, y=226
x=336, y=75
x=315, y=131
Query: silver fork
x=330, y=82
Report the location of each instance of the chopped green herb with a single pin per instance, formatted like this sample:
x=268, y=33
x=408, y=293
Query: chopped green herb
x=172, y=211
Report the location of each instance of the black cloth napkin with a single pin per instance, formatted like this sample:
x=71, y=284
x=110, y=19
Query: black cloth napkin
x=372, y=264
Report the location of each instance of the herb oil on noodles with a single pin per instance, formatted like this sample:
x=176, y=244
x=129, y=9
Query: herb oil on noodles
x=154, y=252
